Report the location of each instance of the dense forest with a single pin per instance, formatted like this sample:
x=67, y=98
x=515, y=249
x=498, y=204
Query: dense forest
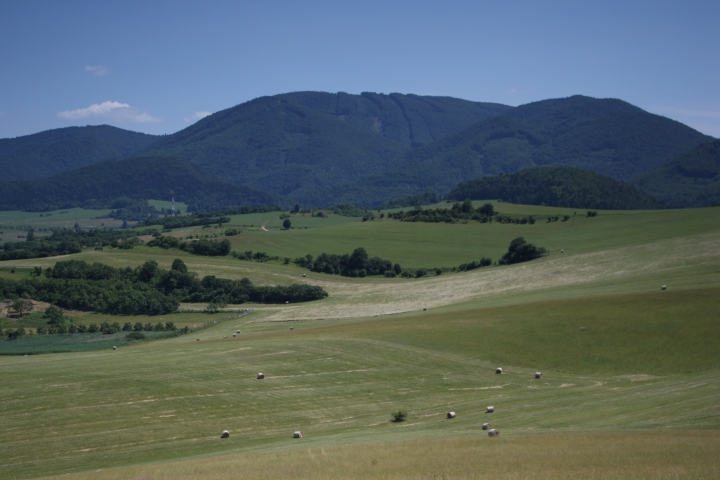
x=102, y=184
x=556, y=187
x=144, y=290
x=607, y=136
x=55, y=151
x=689, y=180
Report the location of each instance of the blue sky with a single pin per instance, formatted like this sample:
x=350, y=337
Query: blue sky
x=158, y=66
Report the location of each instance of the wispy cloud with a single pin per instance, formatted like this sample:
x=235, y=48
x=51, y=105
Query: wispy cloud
x=110, y=110
x=197, y=116
x=693, y=113
x=98, y=70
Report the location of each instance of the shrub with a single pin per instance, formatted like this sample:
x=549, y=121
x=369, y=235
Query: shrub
x=399, y=416
x=93, y=328
x=521, y=251
x=135, y=336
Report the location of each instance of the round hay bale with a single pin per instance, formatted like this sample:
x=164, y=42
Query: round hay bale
x=498, y=371
x=663, y=287
x=287, y=301
x=493, y=433
x=114, y=347
x=225, y=434
x=304, y=275
x=234, y=335
x=490, y=409
x=292, y=328
x=562, y=251
x=238, y=331
x=451, y=415
x=486, y=426
x=424, y=309
x=260, y=376
x=538, y=374
x=297, y=434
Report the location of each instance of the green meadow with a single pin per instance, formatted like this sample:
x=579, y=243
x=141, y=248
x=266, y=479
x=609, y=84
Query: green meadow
x=630, y=384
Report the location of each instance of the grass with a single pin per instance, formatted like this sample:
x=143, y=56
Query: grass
x=638, y=455
x=78, y=342
x=636, y=394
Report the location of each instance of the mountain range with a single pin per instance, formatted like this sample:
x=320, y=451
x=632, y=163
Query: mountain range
x=320, y=149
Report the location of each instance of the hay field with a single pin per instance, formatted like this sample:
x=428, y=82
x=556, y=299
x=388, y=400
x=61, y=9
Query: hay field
x=636, y=394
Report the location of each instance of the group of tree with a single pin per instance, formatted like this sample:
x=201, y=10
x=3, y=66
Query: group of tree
x=356, y=264
x=58, y=323
x=64, y=242
x=183, y=221
x=146, y=289
x=556, y=187
x=427, y=198
x=204, y=247
x=521, y=251
x=459, y=212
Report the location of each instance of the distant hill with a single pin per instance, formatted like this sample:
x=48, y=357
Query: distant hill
x=54, y=151
x=691, y=179
x=295, y=144
x=607, y=136
x=99, y=185
x=556, y=187
x=411, y=120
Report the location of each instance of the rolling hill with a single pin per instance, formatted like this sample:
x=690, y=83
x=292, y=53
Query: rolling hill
x=98, y=185
x=692, y=179
x=55, y=151
x=556, y=187
x=607, y=136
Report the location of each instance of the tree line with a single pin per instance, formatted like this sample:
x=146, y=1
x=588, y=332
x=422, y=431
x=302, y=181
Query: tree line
x=144, y=290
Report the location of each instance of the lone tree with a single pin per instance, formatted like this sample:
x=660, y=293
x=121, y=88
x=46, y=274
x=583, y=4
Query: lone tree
x=54, y=315
x=287, y=224
x=21, y=306
x=297, y=208
x=521, y=251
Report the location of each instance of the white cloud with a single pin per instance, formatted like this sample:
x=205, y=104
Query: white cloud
x=98, y=70
x=197, y=116
x=111, y=110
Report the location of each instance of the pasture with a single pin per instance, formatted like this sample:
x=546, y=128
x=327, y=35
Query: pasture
x=630, y=385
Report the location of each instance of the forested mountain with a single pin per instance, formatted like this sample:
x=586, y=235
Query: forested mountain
x=691, y=179
x=556, y=187
x=607, y=136
x=411, y=120
x=294, y=144
x=99, y=185
x=54, y=151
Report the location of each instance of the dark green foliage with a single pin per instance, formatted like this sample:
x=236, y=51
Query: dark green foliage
x=607, y=136
x=399, y=416
x=147, y=289
x=255, y=256
x=427, y=198
x=521, y=251
x=54, y=151
x=101, y=184
x=592, y=213
x=458, y=212
x=204, y=247
x=690, y=180
x=287, y=224
x=54, y=315
x=556, y=187
x=347, y=210
x=135, y=336
x=484, y=262
x=357, y=264
x=187, y=221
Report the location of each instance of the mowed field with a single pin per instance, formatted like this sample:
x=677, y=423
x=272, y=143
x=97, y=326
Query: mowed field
x=630, y=383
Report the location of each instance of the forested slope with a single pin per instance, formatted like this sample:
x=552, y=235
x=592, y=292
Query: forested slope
x=54, y=151
x=556, y=187
x=692, y=179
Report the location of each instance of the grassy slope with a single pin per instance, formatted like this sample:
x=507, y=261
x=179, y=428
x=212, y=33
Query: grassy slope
x=645, y=362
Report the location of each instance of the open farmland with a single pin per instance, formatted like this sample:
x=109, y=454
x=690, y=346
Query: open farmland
x=630, y=385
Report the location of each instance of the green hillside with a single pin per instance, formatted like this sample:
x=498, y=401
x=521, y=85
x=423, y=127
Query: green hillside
x=99, y=185
x=278, y=146
x=556, y=187
x=411, y=120
x=692, y=179
x=630, y=384
x=606, y=136
x=54, y=151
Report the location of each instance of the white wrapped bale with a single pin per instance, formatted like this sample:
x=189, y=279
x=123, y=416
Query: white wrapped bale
x=225, y=434
x=490, y=409
x=297, y=434
x=486, y=426
x=260, y=376
x=451, y=415
x=498, y=371
x=493, y=433
x=538, y=374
